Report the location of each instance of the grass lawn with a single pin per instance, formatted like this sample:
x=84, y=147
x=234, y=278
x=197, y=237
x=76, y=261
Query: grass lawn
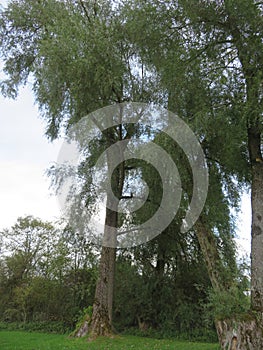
x=12, y=340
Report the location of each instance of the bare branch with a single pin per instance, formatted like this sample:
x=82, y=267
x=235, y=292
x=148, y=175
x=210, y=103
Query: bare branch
x=85, y=10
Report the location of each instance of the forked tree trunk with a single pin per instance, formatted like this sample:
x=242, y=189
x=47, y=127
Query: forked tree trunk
x=101, y=321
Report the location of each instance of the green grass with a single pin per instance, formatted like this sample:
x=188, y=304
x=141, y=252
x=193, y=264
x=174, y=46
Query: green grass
x=13, y=340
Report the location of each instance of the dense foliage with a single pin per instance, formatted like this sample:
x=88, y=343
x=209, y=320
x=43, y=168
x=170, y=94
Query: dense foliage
x=48, y=278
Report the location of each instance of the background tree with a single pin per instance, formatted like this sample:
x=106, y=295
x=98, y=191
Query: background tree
x=208, y=57
x=28, y=248
x=42, y=280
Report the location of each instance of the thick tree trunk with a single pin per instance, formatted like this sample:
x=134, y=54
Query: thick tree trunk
x=254, y=134
x=246, y=331
x=101, y=323
x=254, y=141
x=240, y=334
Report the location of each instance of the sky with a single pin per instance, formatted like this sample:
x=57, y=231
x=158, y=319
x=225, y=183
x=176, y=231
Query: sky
x=26, y=154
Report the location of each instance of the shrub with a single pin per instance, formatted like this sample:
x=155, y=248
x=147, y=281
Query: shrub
x=43, y=327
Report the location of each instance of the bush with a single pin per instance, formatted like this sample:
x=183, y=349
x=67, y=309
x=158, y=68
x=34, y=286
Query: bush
x=198, y=335
x=11, y=315
x=42, y=327
x=227, y=303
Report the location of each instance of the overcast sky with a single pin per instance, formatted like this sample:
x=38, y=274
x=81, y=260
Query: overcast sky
x=25, y=155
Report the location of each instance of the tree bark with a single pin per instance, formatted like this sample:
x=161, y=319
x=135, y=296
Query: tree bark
x=247, y=51
x=246, y=332
x=240, y=334
x=213, y=261
x=101, y=323
x=254, y=141
x=101, y=320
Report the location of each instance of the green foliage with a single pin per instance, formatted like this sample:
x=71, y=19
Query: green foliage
x=228, y=303
x=61, y=44
x=31, y=243
x=197, y=335
x=179, y=289
x=44, y=278
x=57, y=327
x=85, y=316
x=24, y=341
x=55, y=295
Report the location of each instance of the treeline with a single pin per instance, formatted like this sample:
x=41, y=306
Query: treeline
x=48, y=277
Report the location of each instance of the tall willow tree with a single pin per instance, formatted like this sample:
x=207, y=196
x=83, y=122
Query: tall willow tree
x=208, y=55
x=77, y=59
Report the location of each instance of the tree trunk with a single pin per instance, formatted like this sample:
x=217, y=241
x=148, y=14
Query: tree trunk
x=254, y=142
x=213, y=261
x=240, y=334
x=253, y=112
x=246, y=332
x=101, y=323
